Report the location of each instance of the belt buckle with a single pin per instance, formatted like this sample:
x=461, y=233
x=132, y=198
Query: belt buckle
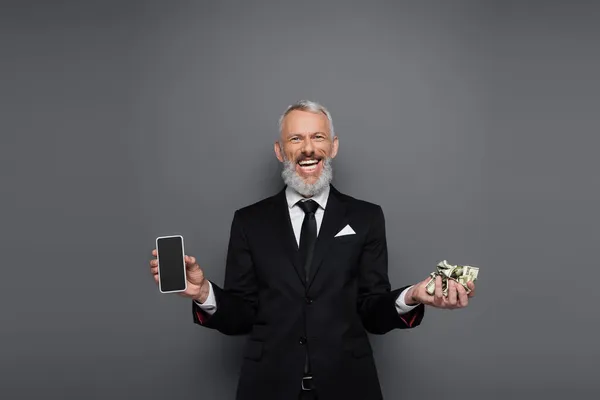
x=307, y=378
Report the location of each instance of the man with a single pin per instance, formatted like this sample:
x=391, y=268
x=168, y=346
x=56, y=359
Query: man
x=306, y=278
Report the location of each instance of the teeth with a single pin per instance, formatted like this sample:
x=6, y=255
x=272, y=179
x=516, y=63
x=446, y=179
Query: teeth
x=308, y=162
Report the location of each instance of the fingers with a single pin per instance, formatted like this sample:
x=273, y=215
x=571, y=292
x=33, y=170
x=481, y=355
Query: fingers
x=463, y=298
x=457, y=296
x=439, y=296
x=471, y=286
x=452, y=293
x=154, y=266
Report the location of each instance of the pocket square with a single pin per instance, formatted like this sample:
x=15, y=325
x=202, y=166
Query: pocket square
x=346, y=231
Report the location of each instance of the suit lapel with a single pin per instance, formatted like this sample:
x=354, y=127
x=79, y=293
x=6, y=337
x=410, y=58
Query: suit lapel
x=334, y=219
x=286, y=234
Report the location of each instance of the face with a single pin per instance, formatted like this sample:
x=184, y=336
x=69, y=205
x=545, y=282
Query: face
x=306, y=149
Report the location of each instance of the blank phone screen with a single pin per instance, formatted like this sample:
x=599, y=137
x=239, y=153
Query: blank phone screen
x=171, y=265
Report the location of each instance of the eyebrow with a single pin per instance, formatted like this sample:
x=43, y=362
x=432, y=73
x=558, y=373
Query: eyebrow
x=310, y=133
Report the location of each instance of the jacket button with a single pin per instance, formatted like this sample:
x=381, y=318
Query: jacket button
x=309, y=300
x=302, y=340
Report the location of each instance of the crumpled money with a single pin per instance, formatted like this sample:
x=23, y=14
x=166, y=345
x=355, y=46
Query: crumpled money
x=458, y=273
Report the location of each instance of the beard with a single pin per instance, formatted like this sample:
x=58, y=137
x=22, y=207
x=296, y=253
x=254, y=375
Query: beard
x=295, y=181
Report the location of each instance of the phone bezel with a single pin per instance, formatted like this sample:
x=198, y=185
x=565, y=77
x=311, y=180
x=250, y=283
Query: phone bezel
x=158, y=260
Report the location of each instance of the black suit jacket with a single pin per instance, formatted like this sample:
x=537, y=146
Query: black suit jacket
x=347, y=295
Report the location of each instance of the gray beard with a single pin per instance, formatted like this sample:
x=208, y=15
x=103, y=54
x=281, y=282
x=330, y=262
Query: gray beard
x=293, y=180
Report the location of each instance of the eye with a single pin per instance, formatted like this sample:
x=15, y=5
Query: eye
x=294, y=139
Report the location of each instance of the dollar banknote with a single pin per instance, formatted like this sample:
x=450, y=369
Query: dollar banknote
x=461, y=274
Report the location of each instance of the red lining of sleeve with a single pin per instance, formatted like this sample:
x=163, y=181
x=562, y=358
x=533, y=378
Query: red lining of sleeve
x=201, y=317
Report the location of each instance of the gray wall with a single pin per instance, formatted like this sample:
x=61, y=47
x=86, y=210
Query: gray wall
x=474, y=125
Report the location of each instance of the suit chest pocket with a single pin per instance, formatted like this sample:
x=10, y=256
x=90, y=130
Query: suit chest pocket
x=349, y=245
x=346, y=239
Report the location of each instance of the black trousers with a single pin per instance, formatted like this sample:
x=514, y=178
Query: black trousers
x=307, y=395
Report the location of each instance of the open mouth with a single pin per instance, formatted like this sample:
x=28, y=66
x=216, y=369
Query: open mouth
x=309, y=165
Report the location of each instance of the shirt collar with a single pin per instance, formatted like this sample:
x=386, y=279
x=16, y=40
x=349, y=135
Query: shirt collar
x=294, y=197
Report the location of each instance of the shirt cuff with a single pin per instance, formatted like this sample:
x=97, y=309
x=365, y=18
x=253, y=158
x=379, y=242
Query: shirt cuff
x=210, y=305
x=401, y=306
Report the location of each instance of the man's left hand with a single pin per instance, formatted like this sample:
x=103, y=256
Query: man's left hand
x=457, y=295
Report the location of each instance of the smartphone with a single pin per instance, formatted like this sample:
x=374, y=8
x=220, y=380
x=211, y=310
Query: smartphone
x=171, y=264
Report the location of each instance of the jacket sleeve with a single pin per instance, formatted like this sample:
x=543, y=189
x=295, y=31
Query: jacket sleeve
x=376, y=300
x=236, y=302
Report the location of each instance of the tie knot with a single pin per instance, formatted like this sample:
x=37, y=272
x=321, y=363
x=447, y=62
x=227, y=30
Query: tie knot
x=308, y=206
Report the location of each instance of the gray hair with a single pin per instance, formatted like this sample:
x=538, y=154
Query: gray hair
x=310, y=106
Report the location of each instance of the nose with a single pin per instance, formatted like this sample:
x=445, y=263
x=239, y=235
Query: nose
x=307, y=147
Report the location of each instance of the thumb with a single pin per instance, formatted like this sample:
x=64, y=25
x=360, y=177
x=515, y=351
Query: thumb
x=190, y=263
x=425, y=281
x=192, y=267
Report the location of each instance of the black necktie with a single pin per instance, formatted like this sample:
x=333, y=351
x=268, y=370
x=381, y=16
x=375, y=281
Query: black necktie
x=308, y=235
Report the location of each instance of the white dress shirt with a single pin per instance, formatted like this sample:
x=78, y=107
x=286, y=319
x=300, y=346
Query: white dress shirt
x=297, y=217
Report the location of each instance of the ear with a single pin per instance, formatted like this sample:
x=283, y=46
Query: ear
x=278, y=151
x=334, y=149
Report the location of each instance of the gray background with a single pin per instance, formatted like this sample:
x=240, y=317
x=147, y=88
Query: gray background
x=473, y=124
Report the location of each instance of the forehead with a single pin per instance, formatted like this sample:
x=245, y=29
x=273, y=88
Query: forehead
x=298, y=121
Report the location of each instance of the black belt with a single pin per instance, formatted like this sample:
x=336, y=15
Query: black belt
x=307, y=383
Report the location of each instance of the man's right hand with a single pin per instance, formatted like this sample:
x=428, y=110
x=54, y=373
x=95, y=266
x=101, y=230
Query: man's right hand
x=197, y=286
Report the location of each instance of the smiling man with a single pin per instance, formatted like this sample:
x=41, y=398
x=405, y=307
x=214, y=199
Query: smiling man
x=306, y=278
x=306, y=147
